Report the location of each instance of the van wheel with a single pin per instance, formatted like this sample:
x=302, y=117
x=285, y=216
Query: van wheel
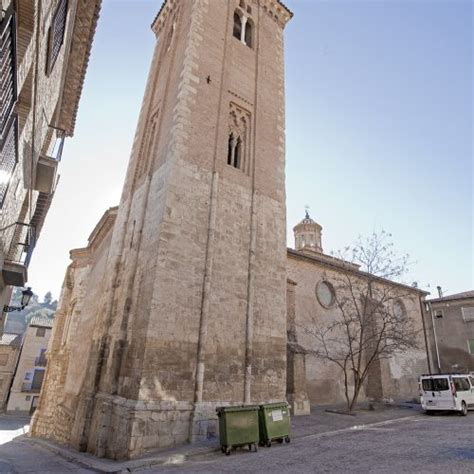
x=430, y=412
x=463, y=409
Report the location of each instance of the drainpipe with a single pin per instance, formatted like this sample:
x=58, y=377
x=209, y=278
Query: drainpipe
x=435, y=336
x=428, y=358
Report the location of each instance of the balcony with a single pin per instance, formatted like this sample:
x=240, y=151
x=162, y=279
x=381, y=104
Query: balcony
x=46, y=174
x=27, y=387
x=19, y=242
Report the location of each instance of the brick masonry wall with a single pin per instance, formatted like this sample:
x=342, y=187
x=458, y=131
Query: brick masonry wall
x=194, y=281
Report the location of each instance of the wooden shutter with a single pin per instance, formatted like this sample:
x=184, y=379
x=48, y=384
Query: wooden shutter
x=8, y=90
x=8, y=157
x=56, y=33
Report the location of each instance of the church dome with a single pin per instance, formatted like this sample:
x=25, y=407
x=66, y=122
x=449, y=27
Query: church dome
x=308, y=235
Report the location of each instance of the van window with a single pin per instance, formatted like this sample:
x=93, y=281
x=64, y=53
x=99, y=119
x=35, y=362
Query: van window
x=427, y=385
x=461, y=384
x=440, y=385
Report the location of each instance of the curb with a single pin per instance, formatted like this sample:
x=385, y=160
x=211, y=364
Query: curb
x=96, y=464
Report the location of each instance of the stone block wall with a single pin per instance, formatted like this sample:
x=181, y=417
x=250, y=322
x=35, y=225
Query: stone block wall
x=395, y=378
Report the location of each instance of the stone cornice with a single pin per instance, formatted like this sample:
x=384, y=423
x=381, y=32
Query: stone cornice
x=167, y=7
x=277, y=10
x=103, y=227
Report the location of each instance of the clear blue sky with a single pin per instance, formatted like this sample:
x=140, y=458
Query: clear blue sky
x=379, y=130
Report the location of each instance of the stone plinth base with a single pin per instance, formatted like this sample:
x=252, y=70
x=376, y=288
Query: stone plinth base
x=299, y=404
x=124, y=429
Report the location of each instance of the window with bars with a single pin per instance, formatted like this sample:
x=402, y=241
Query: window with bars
x=56, y=34
x=8, y=87
x=8, y=157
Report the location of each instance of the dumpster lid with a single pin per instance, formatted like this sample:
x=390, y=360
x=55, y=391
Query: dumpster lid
x=275, y=405
x=229, y=409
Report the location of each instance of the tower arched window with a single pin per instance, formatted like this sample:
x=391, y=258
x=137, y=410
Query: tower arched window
x=237, y=26
x=230, y=152
x=238, y=153
x=234, y=154
x=248, y=33
x=243, y=28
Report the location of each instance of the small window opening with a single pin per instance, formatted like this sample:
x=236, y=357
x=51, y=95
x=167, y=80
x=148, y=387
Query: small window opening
x=238, y=153
x=40, y=332
x=231, y=147
x=237, y=26
x=248, y=34
x=439, y=313
x=249, y=10
x=234, y=153
x=242, y=4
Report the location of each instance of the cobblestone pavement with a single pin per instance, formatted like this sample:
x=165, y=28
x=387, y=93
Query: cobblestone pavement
x=420, y=444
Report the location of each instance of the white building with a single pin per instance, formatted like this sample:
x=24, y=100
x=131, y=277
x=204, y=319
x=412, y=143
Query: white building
x=31, y=367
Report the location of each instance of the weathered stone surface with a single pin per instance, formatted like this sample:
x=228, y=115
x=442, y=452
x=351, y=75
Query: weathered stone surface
x=186, y=304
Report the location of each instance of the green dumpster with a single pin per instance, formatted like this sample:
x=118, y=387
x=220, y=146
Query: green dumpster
x=238, y=426
x=274, y=423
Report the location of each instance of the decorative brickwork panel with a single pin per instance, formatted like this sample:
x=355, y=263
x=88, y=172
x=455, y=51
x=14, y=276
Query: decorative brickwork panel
x=239, y=150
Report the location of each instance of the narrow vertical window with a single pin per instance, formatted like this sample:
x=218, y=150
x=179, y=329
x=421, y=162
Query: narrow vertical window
x=248, y=33
x=238, y=153
x=237, y=26
x=230, y=157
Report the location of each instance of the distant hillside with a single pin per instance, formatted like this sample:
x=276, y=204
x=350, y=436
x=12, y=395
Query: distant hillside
x=17, y=321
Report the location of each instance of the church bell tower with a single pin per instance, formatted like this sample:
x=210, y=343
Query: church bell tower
x=194, y=315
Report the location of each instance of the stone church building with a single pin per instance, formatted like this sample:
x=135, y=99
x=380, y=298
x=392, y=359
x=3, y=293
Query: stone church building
x=178, y=303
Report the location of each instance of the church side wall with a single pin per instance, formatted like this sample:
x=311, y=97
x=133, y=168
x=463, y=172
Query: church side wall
x=396, y=378
x=70, y=348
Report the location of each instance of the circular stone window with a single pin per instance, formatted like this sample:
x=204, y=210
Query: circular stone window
x=325, y=294
x=399, y=310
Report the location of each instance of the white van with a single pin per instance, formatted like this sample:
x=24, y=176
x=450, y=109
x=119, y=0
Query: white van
x=447, y=392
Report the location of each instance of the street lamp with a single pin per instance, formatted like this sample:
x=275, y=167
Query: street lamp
x=25, y=299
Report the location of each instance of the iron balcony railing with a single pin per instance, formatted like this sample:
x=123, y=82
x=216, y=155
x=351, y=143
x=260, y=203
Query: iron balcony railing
x=18, y=242
x=8, y=156
x=8, y=80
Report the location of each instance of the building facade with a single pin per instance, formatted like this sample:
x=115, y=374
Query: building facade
x=313, y=289
x=191, y=308
x=186, y=296
x=10, y=345
x=45, y=47
x=30, y=371
x=450, y=328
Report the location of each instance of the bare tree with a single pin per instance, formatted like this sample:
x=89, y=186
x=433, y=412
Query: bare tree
x=371, y=321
